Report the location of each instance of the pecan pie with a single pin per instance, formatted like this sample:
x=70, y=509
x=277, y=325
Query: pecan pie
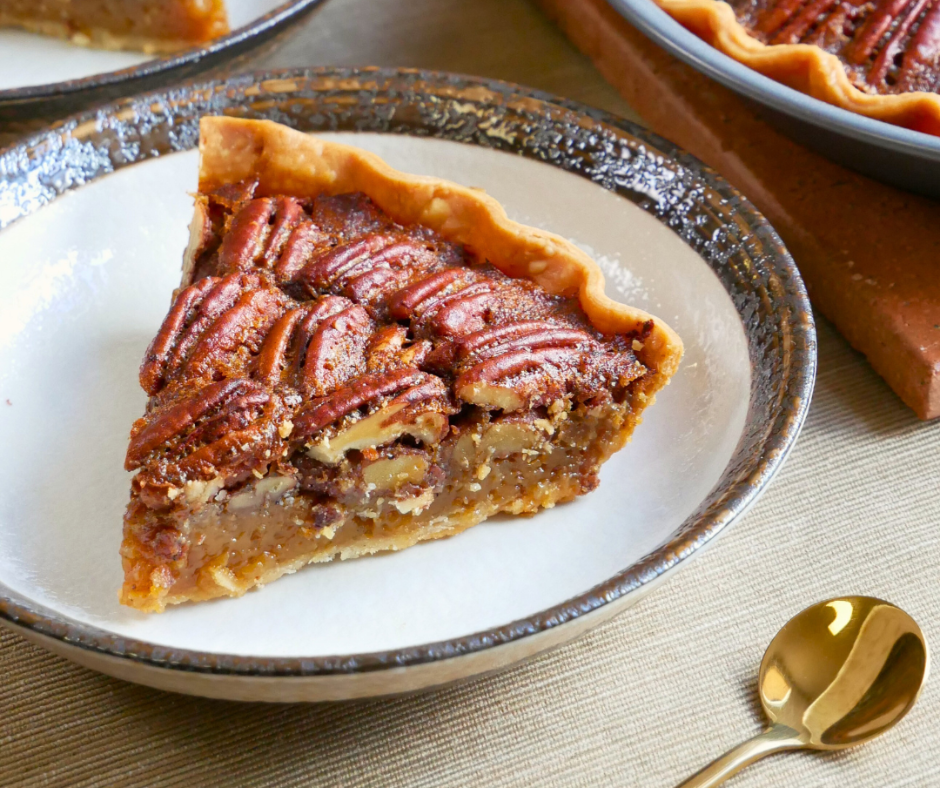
x=359, y=360
x=152, y=26
x=877, y=58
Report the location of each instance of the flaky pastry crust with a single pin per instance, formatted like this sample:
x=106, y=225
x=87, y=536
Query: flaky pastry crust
x=804, y=67
x=285, y=161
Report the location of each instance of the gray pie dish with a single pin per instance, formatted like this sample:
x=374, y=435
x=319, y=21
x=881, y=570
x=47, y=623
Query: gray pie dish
x=907, y=159
x=725, y=230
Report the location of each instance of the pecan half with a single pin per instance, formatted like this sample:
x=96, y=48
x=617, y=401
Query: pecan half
x=237, y=414
x=531, y=364
x=234, y=454
x=317, y=344
x=363, y=391
x=162, y=426
x=463, y=312
x=212, y=329
x=447, y=303
x=501, y=383
x=373, y=287
x=288, y=213
x=322, y=272
x=337, y=351
x=405, y=304
x=369, y=268
x=246, y=236
x=199, y=305
x=400, y=402
x=230, y=339
x=489, y=342
x=273, y=354
x=303, y=241
x=158, y=353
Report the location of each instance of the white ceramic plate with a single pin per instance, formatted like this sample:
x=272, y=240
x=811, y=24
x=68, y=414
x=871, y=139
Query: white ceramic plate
x=84, y=285
x=42, y=74
x=28, y=59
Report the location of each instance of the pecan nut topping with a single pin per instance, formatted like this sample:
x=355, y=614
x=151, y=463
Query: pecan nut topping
x=337, y=350
x=208, y=321
x=888, y=47
x=374, y=411
x=162, y=426
x=324, y=327
x=246, y=237
x=288, y=214
x=409, y=386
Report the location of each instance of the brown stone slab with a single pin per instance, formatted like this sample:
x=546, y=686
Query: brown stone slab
x=869, y=253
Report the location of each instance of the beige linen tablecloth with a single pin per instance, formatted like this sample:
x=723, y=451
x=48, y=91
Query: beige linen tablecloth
x=643, y=701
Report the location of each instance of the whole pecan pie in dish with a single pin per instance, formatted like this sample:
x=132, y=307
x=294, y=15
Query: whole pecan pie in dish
x=151, y=26
x=879, y=58
x=358, y=360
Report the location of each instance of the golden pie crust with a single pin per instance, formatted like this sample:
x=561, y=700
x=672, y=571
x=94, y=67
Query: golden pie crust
x=804, y=67
x=441, y=433
x=286, y=161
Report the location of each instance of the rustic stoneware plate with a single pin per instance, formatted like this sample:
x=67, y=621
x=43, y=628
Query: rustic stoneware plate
x=40, y=75
x=95, y=214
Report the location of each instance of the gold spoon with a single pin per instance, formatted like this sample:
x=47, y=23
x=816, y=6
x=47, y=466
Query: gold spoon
x=837, y=674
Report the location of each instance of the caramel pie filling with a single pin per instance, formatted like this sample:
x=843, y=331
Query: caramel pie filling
x=333, y=384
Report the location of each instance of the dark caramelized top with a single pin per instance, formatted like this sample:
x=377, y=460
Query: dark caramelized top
x=304, y=316
x=888, y=46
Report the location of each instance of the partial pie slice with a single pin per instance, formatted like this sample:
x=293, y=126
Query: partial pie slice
x=152, y=26
x=879, y=59
x=359, y=360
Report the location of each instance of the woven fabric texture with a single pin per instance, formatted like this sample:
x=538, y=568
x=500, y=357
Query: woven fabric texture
x=643, y=701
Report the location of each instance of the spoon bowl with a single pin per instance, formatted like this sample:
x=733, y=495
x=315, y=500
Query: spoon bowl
x=844, y=671
x=838, y=674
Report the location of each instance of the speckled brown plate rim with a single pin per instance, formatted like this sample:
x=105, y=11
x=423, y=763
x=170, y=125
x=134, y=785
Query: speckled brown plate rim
x=710, y=215
x=130, y=79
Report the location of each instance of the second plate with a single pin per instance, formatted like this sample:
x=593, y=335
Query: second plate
x=42, y=76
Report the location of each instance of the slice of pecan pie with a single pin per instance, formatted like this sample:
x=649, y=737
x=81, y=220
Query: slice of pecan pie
x=359, y=360
x=151, y=26
x=880, y=59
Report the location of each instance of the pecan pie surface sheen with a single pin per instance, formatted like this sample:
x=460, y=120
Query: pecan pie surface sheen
x=332, y=383
x=887, y=46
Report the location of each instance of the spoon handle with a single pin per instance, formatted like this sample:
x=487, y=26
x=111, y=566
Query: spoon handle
x=774, y=739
